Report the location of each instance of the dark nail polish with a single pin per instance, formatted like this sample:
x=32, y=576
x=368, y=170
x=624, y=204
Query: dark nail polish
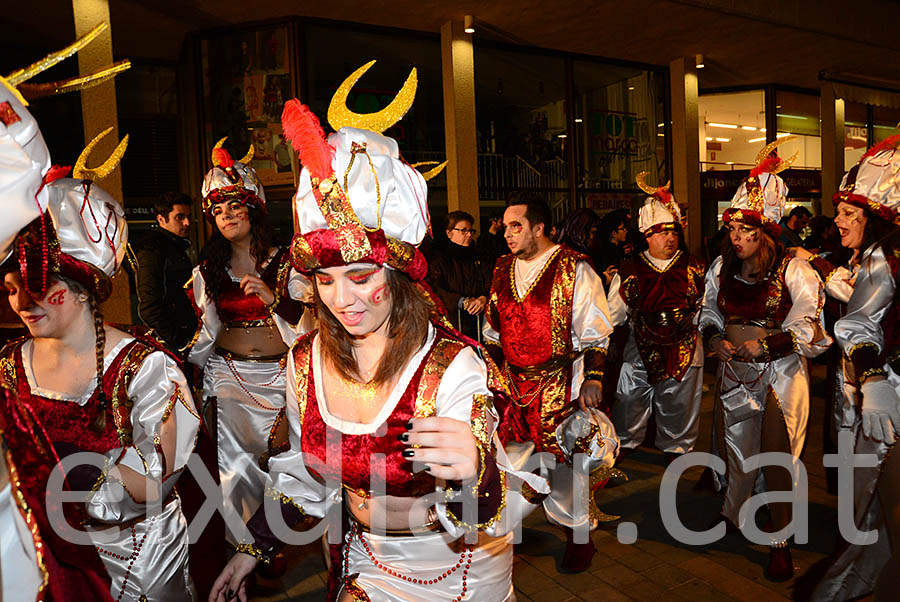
x=403, y=437
x=229, y=595
x=408, y=453
x=428, y=469
x=409, y=426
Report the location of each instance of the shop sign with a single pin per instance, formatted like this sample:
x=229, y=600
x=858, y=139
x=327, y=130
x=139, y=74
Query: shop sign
x=617, y=134
x=607, y=201
x=721, y=185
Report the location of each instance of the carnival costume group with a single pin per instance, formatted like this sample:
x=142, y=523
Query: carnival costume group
x=547, y=336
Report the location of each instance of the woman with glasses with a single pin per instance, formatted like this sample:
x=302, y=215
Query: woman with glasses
x=459, y=276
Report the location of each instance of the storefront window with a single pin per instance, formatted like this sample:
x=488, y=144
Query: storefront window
x=620, y=132
x=798, y=114
x=520, y=112
x=732, y=129
x=856, y=133
x=886, y=121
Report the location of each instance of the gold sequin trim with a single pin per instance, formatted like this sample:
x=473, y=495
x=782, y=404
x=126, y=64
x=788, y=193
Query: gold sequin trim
x=512, y=276
x=668, y=265
x=488, y=523
x=443, y=352
x=479, y=422
x=252, y=550
x=274, y=494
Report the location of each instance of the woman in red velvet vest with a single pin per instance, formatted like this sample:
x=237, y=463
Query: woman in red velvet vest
x=762, y=318
x=390, y=410
x=868, y=334
x=77, y=385
x=244, y=292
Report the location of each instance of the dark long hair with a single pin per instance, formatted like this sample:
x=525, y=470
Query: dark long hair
x=770, y=251
x=407, y=329
x=575, y=231
x=218, y=251
x=882, y=234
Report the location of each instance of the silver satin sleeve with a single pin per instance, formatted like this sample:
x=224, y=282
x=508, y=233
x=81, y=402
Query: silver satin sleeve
x=617, y=308
x=838, y=284
x=210, y=324
x=805, y=320
x=855, y=571
x=150, y=558
x=300, y=288
x=872, y=298
x=591, y=323
x=676, y=404
x=162, y=410
x=709, y=313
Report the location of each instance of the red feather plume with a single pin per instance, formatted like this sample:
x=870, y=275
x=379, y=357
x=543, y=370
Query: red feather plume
x=305, y=132
x=891, y=143
x=768, y=164
x=221, y=158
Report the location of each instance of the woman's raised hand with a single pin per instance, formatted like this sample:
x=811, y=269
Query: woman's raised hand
x=446, y=446
x=253, y=285
x=232, y=583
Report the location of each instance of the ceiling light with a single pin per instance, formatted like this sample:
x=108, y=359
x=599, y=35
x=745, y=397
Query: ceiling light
x=659, y=125
x=749, y=128
x=700, y=64
x=561, y=136
x=782, y=134
x=730, y=126
x=729, y=162
x=777, y=106
x=468, y=27
x=578, y=120
x=630, y=87
x=723, y=139
x=755, y=140
x=709, y=138
x=663, y=135
x=762, y=129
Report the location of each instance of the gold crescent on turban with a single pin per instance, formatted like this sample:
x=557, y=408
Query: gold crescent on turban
x=431, y=172
x=767, y=150
x=82, y=172
x=340, y=116
x=246, y=158
x=651, y=190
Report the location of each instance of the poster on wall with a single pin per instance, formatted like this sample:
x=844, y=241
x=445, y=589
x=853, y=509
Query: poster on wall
x=246, y=81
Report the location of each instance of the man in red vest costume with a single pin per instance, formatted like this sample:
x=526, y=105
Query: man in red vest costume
x=662, y=370
x=548, y=326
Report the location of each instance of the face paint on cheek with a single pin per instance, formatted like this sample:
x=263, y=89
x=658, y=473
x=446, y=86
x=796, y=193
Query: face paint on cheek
x=379, y=294
x=753, y=236
x=57, y=298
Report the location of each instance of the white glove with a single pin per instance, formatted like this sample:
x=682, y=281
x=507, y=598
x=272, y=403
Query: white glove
x=880, y=410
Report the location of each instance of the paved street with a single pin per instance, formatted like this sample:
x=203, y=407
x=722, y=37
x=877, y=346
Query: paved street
x=654, y=569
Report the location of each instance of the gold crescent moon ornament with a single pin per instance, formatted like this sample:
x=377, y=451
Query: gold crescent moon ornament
x=767, y=150
x=431, y=173
x=246, y=158
x=82, y=172
x=340, y=116
x=651, y=190
x=22, y=75
x=34, y=91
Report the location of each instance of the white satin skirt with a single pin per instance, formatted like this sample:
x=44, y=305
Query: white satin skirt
x=149, y=561
x=249, y=398
x=676, y=405
x=743, y=390
x=426, y=557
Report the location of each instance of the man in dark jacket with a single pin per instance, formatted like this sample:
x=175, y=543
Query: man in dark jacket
x=163, y=266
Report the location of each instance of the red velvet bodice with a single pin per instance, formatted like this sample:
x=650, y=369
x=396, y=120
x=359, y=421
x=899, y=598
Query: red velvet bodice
x=232, y=305
x=356, y=453
x=662, y=306
x=69, y=422
x=537, y=328
x=764, y=303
